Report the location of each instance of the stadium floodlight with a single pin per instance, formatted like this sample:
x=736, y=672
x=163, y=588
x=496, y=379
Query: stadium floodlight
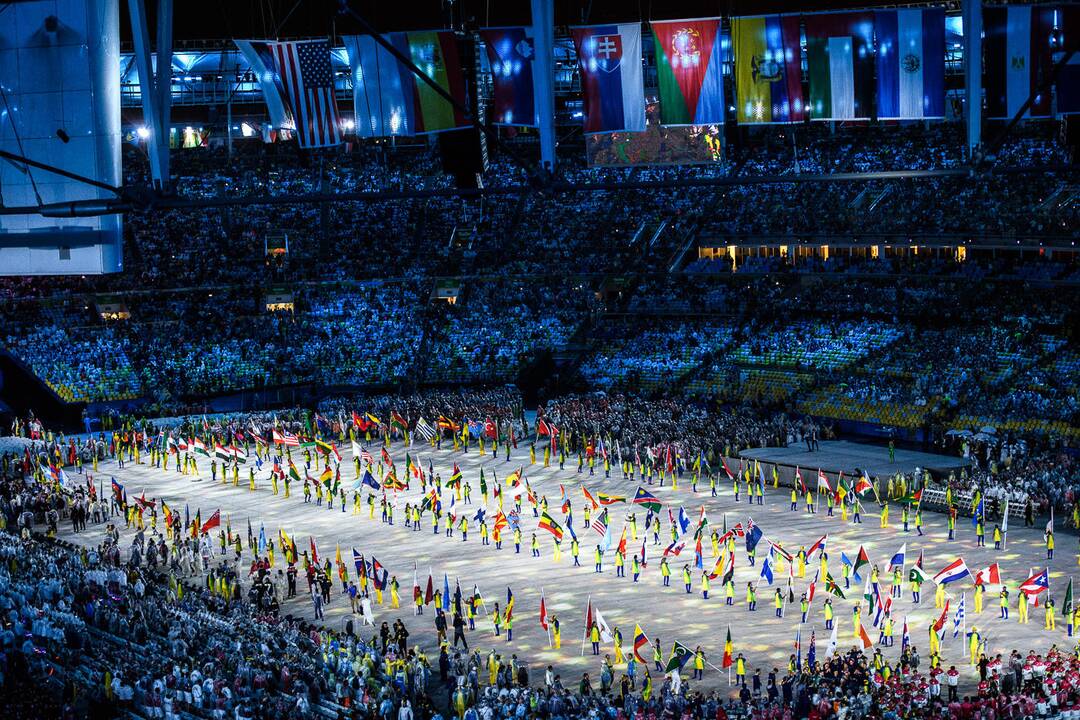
x=142, y=132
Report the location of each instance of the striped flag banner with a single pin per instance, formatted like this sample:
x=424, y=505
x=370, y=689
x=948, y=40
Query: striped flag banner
x=1016, y=51
x=768, y=73
x=297, y=81
x=910, y=63
x=840, y=63
x=689, y=71
x=612, y=80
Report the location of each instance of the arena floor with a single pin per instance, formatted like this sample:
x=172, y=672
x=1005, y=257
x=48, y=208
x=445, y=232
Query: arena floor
x=665, y=613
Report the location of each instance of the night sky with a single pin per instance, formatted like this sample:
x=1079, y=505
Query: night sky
x=225, y=19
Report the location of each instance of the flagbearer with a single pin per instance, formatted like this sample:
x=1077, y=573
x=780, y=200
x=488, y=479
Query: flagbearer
x=1051, y=623
x=828, y=610
x=979, y=592
x=1022, y=606
x=751, y=597
x=1004, y=599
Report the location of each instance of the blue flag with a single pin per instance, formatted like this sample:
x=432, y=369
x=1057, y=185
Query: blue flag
x=978, y=513
x=445, y=593
x=684, y=522
x=369, y=480
x=753, y=537
x=766, y=571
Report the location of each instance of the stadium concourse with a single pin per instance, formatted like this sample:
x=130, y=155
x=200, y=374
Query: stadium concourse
x=666, y=614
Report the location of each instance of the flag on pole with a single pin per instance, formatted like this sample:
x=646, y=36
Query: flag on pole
x=729, y=650
x=956, y=570
x=830, y=649
x=958, y=619
x=899, y=556
x=543, y=612
x=640, y=641
x=1036, y=584
x=989, y=575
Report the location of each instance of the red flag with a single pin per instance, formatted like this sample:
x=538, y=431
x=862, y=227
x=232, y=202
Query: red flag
x=314, y=550
x=864, y=637
x=543, y=613
x=941, y=620
x=429, y=594
x=212, y=522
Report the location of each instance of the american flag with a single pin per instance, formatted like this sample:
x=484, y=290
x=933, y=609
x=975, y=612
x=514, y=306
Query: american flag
x=308, y=84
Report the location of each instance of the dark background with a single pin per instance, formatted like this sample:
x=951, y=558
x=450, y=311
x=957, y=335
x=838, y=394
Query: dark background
x=227, y=19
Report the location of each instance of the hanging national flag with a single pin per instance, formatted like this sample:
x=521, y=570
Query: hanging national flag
x=647, y=500
x=840, y=64
x=388, y=99
x=298, y=86
x=1016, y=56
x=956, y=570
x=768, y=73
x=510, y=52
x=910, y=63
x=609, y=58
x=689, y=71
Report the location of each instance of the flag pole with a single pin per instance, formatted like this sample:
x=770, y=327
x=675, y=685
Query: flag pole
x=585, y=633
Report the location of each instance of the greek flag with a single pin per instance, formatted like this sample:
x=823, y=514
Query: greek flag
x=958, y=619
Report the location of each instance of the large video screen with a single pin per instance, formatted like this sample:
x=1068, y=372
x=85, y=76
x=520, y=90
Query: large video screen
x=658, y=145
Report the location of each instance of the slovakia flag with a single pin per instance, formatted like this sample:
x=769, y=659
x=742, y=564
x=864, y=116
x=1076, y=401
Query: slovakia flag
x=612, y=81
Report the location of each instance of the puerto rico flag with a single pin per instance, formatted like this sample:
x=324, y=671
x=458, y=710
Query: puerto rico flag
x=910, y=63
x=609, y=57
x=1036, y=583
x=956, y=570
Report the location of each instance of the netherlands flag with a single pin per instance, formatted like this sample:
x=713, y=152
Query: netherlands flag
x=612, y=81
x=910, y=63
x=956, y=570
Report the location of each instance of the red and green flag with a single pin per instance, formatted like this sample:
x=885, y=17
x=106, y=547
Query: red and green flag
x=689, y=71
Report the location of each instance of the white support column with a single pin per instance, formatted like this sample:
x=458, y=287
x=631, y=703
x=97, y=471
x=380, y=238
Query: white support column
x=163, y=82
x=147, y=85
x=543, y=16
x=973, y=27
